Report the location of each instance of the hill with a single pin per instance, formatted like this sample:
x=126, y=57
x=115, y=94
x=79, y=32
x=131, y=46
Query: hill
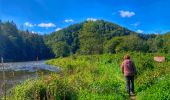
x=17, y=45
x=89, y=37
x=99, y=37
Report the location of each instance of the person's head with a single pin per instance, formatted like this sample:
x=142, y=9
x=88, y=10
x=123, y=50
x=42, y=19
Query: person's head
x=126, y=57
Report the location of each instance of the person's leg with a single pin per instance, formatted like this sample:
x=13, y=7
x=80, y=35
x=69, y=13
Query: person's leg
x=128, y=84
x=132, y=84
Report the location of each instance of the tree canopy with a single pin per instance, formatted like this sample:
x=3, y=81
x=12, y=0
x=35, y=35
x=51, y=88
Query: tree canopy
x=97, y=37
x=89, y=37
x=17, y=45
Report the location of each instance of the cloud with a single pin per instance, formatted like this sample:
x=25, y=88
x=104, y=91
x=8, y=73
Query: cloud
x=46, y=25
x=36, y=32
x=91, y=19
x=28, y=24
x=57, y=29
x=33, y=32
x=69, y=20
x=127, y=14
x=139, y=31
x=136, y=24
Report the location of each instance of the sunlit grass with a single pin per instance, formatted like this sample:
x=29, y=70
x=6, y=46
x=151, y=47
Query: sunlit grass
x=96, y=77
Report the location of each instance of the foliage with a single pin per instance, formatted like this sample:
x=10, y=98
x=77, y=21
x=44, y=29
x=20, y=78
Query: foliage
x=88, y=37
x=99, y=37
x=100, y=77
x=16, y=45
x=51, y=88
x=158, y=91
x=61, y=49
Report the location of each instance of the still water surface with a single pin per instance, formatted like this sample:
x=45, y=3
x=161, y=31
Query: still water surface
x=16, y=73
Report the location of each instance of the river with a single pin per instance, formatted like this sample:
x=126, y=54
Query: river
x=15, y=73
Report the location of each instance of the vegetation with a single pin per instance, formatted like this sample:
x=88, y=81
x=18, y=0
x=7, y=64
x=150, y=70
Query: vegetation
x=99, y=77
x=16, y=45
x=92, y=71
x=100, y=37
x=89, y=37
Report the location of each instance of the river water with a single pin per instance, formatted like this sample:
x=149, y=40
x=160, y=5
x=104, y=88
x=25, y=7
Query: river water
x=12, y=74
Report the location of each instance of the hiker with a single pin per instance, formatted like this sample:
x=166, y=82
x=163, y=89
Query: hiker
x=129, y=71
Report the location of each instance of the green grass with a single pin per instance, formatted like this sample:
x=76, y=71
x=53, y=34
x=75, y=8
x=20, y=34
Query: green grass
x=94, y=77
x=160, y=90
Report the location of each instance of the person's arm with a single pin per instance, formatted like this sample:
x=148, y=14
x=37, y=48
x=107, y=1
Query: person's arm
x=134, y=68
x=122, y=67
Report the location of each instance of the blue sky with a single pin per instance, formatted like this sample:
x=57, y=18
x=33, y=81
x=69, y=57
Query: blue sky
x=45, y=16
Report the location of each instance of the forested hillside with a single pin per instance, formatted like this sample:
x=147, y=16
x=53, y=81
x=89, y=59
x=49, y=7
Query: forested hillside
x=98, y=37
x=16, y=45
x=89, y=37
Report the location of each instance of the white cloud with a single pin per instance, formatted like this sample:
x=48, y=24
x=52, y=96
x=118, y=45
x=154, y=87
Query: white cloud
x=139, y=31
x=57, y=29
x=91, y=19
x=33, y=32
x=46, y=25
x=127, y=14
x=136, y=24
x=36, y=32
x=28, y=24
x=69, y=20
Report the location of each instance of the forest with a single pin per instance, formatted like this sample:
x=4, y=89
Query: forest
x=89, y=37
x=100, y=37
x=18, y=45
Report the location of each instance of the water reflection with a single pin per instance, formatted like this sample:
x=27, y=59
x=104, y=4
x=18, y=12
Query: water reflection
x=18, y=72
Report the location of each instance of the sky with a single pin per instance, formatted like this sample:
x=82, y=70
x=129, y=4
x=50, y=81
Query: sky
x=46, y=16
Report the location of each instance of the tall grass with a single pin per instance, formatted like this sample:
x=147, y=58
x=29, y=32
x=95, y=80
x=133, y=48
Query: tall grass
x=94, y=77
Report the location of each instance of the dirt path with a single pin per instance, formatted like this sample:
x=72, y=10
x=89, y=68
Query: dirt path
x=132, y=97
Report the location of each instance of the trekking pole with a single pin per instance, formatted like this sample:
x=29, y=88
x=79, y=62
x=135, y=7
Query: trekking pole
x=2, y=61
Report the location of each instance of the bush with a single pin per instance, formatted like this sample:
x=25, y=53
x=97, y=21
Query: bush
x=51, y=88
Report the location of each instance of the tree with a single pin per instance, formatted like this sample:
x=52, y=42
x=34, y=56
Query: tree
x=16, y=45
x=110, y=46
x=91, y=40
x=61, y=49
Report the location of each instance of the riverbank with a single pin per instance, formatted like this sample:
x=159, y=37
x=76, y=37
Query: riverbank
x=15, y=73
x=98, y=77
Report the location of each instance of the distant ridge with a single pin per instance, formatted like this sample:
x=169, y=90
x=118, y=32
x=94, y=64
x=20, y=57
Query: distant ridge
x=97, y=37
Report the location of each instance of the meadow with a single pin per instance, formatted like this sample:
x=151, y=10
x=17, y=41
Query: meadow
x=91, y=77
